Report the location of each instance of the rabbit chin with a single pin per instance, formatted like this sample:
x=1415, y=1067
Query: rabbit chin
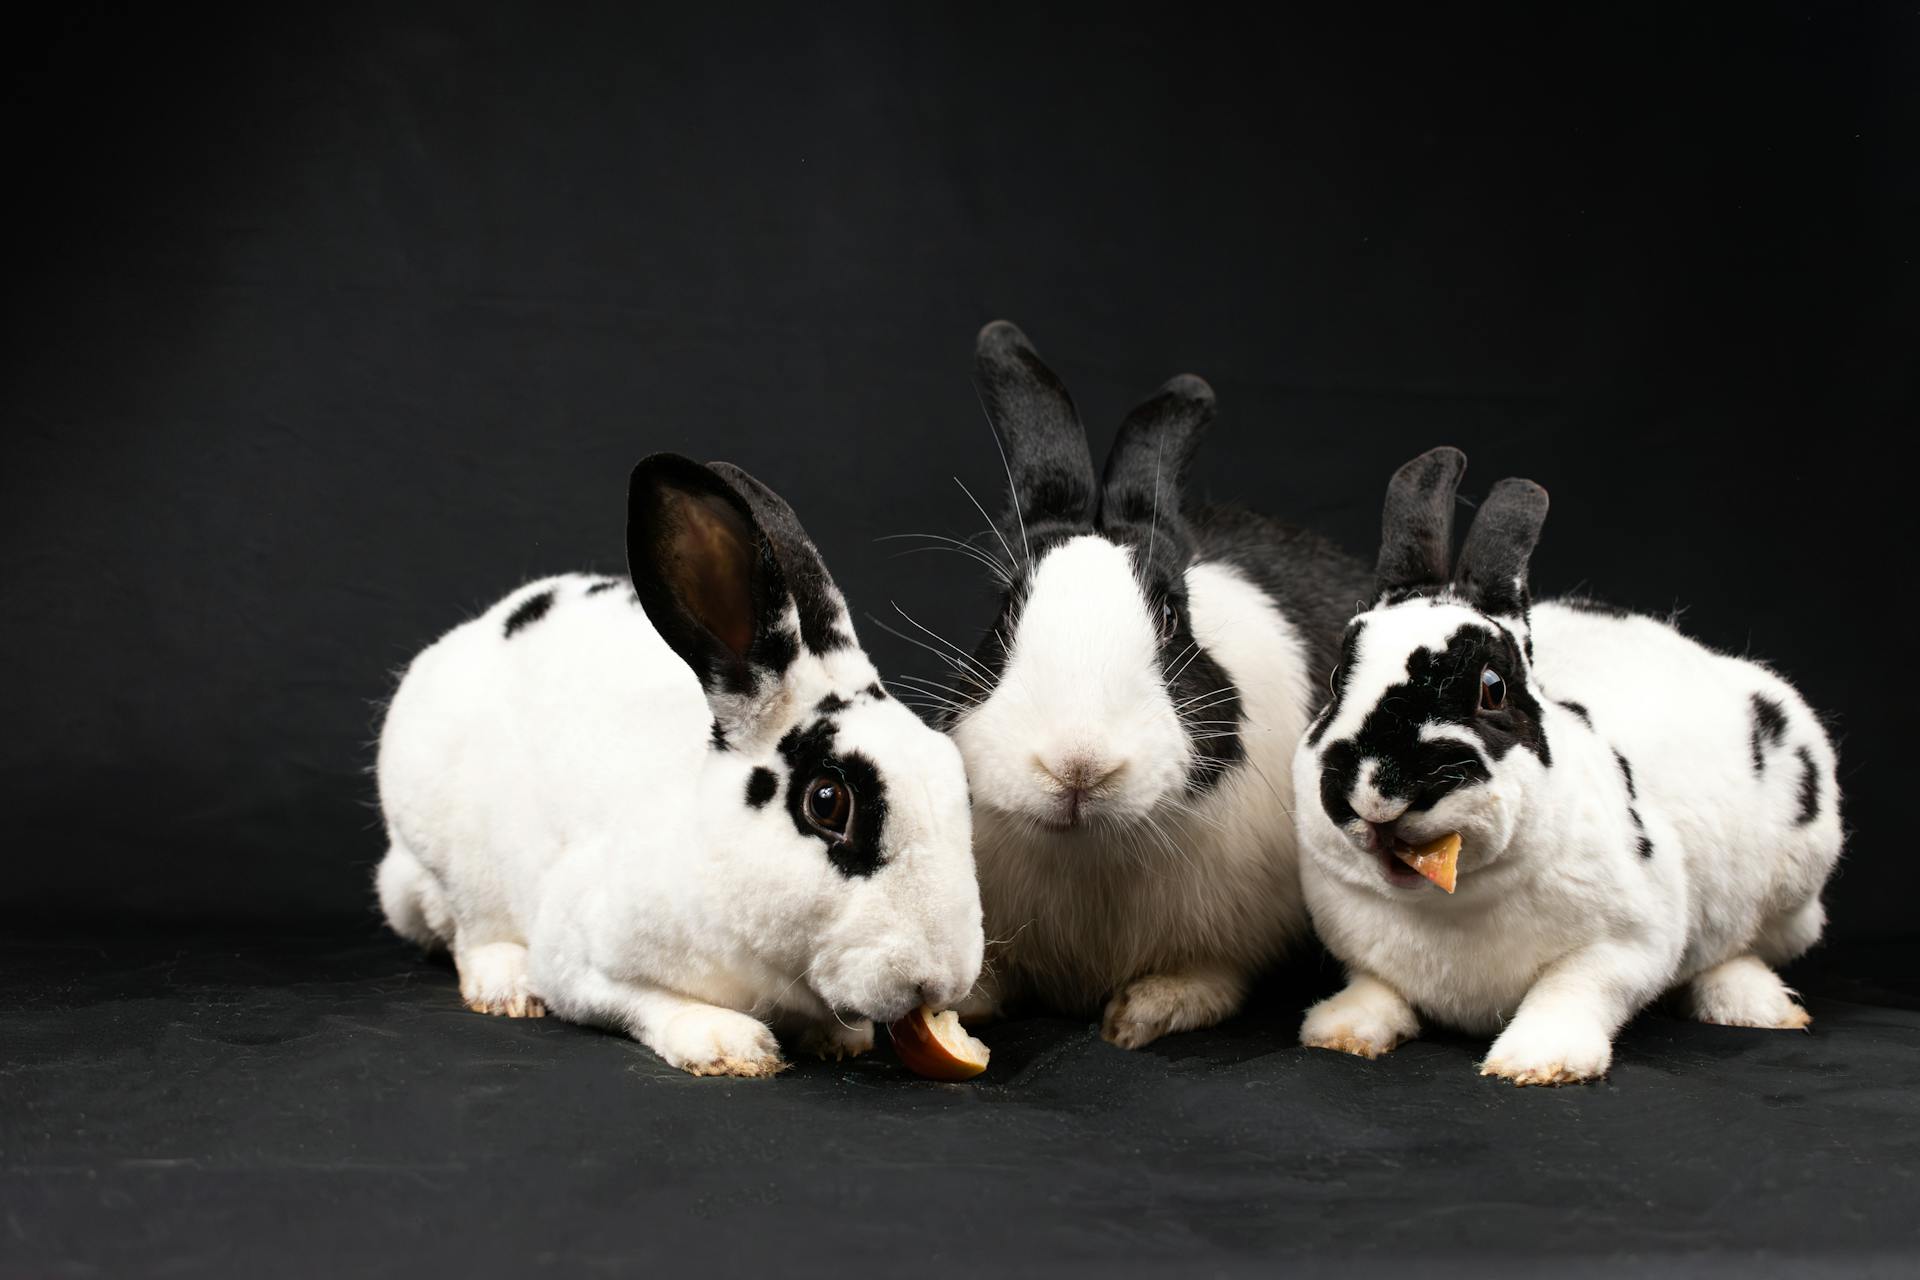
x=1485, y=817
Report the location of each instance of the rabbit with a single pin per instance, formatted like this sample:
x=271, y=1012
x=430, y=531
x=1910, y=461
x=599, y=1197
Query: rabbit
x=1128, y=722
x=1637, y=812
x=684, y=806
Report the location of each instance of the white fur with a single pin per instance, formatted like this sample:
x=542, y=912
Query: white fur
x=1159, y=904
x=559, y=819
x=1559, y=930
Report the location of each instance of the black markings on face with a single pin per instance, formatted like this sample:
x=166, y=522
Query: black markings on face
x=1441, y=688
x=1644, y=845
x=831, y=703
x=605, y=584
x=1769, y=727
x=1578, y=709
x=875, y=692
x=528, y=612
x=809, y=753
x=761, y=786
x=1809, y=788
x=1342, y=674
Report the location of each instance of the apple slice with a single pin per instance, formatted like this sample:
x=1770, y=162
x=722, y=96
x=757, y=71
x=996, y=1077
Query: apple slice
x=1437, y=860
x=936, y=1046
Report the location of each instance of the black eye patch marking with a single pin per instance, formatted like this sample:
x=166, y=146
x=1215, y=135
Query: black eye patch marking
x=809, y=753
x=761, y=785
x=1769, y=727
x=1633, y=812
x=1342, y=673
x=831, y=703
x=605, y=584
x=1441, y=688
x=1809, y=788
x=528, y=612
x=1578, y=709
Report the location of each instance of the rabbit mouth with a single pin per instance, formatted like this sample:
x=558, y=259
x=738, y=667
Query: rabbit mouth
x=1397, y=873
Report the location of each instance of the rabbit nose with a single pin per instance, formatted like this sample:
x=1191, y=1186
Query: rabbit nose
x=1375, y=809
x=1080, y=772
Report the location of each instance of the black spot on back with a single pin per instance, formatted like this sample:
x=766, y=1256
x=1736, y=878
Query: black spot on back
x=1769, y=727
x=529, y=611
x=761, y=785
x=1809, y=788
x=1626, y=773
x=605, y=584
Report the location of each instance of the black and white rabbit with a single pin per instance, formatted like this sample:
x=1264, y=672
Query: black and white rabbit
x=1129, y=721
x=1637, y=811
x=685, y=808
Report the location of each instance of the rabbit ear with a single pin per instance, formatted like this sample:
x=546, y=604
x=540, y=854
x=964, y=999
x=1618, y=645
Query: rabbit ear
x=1492, y=572
x=1416, y=526
x=1047, y=454
x=824, y=626
x=710, y=578
x=1147, y=468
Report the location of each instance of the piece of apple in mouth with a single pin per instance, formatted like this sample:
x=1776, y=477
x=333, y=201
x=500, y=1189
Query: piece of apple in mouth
x=936, y=1046
x=1438, y=859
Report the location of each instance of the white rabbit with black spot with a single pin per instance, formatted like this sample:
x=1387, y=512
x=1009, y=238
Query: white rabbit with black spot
x=1636, y=812
x=685, y=810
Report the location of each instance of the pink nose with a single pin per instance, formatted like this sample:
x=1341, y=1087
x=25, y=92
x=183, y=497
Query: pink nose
x=1080, y=772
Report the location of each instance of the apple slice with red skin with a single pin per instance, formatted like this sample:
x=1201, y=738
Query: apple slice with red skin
x=935, y=1045
x=1437, y=860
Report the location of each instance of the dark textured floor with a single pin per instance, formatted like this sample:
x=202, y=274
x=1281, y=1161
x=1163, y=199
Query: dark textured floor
x=246, y=1106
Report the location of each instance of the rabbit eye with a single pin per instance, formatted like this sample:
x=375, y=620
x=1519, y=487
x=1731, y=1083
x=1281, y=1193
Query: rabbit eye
x=1169, y=620
x=829, y=805
x=1493, y=690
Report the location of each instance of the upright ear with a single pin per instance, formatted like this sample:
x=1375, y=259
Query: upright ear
x=824, y=625
x=706, y=574
x=1416, y=526
x=1492, y=572
x=1046, y=446
x=1147, y=469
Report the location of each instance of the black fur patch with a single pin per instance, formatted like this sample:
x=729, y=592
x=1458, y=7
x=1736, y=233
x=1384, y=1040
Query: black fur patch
x=1587, y=604
x=775, y=649
x=831, y=703
x=1769, y=727
x=1633, y=812
x=605, y=584
x=1578, y=709
x=809, y=754
x=761, y=785
x=875, y=692
x=1441, y=688
x=719, y=737
x=529, y=611
x=1809, y=788
x=1342, y=673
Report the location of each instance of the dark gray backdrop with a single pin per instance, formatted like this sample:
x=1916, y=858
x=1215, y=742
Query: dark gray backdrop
x=326, y=328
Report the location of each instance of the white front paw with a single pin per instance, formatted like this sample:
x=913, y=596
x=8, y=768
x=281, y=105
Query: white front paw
x=1556, y=1049
x=711, y=1041
x=1366, y=1021
x=837, y=1040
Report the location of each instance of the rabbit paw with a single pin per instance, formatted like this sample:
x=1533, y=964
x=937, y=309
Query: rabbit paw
x=493, y=979
x=837, y=1041
x=1550, y=1050
x=1366, y=1019
x=1150, y=1007
x=1744, y=992
x=710, y=1041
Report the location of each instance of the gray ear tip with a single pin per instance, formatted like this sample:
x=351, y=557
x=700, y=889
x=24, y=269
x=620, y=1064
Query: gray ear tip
x=998, y=338
x=1191, y=387
x=1519, y=491
x=1439, y=466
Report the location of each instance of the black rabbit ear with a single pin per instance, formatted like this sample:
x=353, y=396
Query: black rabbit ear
x=824, y=626
x=707, y=573
x=1416, y=526
x=1492, y=572
x=1047, y=454
x=1147, y=469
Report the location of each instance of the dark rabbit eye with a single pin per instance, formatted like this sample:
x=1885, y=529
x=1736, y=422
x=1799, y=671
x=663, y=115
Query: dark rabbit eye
x=829, y=805
x=1169, y=620
x=1493, y=690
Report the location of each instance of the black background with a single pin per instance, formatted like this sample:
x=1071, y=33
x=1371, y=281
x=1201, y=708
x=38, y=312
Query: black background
x=326, y=328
